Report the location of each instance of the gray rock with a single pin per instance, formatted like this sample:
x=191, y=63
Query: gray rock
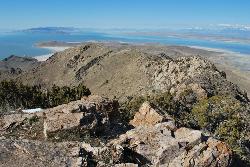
x=92, y=113
x=158, y=146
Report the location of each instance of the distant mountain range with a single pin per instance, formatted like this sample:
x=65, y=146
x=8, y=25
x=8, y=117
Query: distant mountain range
x=226, y=30
x=58, y=30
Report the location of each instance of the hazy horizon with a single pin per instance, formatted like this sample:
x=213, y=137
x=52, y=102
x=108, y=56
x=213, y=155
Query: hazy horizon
x=139, y=14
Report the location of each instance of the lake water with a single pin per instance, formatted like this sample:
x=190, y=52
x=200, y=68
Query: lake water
x=22, y=44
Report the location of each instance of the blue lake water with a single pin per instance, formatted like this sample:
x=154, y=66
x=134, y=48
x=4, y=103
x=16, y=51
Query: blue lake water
x=22, y=44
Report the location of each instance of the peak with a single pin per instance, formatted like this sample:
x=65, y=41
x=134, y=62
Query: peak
x=10, y=58
x=13, y=58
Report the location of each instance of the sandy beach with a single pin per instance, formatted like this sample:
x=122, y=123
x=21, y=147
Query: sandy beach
x=52, y=49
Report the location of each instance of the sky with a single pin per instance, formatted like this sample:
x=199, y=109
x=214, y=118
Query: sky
x=21, y=14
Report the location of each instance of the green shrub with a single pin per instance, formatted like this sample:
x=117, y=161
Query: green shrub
x=234, y=132
x=165, y=101
x=211, y=112
x=230, y=131
x=179, y=110
x=15, y=95
x=227, y=119
x=129, y=108
x=33, y=120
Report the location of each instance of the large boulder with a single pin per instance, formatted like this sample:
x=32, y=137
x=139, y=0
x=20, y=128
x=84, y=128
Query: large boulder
x=90, y=113
x=149, y=115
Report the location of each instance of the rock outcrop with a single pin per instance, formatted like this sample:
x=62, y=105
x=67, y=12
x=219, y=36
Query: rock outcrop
x=158, y=145
x=196, y=74
x=162, y=145
x=155, y=140
x=93, y=113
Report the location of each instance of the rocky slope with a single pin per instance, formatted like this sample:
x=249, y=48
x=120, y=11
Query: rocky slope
x=154, y=141
x=170, y=108
x=13, y=66
x=128, y=70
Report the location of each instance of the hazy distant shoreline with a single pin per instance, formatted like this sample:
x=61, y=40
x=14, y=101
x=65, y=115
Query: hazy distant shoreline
x=209, y=37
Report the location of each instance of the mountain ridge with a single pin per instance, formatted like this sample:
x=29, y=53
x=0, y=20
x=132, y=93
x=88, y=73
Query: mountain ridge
x=101, y=68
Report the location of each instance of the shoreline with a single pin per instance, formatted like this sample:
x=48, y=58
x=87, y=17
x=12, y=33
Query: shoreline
x=52, y=49
x=221, y=51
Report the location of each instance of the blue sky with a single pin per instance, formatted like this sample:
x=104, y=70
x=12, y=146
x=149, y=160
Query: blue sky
x=19, y=14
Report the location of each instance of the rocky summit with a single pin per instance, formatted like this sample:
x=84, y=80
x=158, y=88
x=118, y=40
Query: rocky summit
x=29, y=139
x=158, y=106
